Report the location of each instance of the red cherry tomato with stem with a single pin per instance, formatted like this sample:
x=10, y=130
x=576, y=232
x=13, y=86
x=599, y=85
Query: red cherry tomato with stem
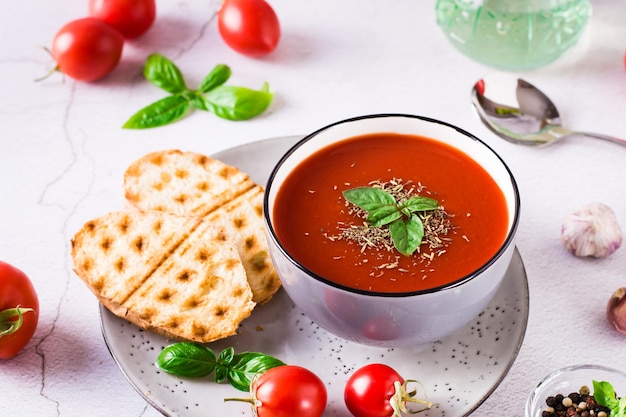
x=87, y=49
x=377, y=390
x=132, y=18
x=287, y=391
x=250, y=27
x=19, y=310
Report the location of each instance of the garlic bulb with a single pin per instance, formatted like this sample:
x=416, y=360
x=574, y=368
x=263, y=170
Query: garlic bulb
x=591, y=231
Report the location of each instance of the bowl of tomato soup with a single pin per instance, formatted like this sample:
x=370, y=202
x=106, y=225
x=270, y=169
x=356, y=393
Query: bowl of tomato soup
x=391, y=230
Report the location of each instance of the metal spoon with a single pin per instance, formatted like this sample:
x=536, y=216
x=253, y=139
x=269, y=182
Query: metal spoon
x=535, y=120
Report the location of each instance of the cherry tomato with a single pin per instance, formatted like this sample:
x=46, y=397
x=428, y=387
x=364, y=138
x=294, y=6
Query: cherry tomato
x=87, y=49
x=250, y=27
x=289, y=391
x=132, y=18
x=377, y=390
x=17, y=298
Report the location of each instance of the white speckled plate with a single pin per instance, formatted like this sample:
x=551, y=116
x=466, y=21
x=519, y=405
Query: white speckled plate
x=458, y=372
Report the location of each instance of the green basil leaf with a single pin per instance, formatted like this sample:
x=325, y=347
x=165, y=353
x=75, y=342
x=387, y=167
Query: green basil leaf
x=383, y=215
x=619, y=410
x=221, y=373
x=369, y=198
x=238, y=103
x=218, y=76
x=223, y=364
x=163, y=73
x=245, y=366
x=419, y=204
x=198, y=102
x=159, y=113
x=187, y=359
x=226, y=356
x=407, y=234
x=604, y=394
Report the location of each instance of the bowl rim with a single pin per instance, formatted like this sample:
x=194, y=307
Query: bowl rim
x=508, y=241
x=534, y=395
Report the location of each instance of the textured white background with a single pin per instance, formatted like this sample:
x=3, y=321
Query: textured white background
x=63, y=152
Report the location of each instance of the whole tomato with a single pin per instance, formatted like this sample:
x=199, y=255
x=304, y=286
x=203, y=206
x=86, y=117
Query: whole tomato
x=250, y=27
x=287, y=391
x=87, y=49
x=132, y=18
x=19, y=310
x=377, y=390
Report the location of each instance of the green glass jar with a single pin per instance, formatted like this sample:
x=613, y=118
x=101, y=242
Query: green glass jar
x=513, y=34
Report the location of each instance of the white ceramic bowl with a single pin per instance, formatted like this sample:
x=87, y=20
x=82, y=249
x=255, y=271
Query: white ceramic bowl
x=567, y=380
x=421, y=317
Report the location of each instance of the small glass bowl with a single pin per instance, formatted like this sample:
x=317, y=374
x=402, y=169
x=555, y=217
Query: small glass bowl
x=570, y=379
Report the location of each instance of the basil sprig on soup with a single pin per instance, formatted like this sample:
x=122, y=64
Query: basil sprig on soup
x=405, y=226
x=334, y=215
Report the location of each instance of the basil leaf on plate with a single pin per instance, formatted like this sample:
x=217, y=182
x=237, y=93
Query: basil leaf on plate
x=245, y=366
x=187, y=359
x=195, y=360
x=223, y=364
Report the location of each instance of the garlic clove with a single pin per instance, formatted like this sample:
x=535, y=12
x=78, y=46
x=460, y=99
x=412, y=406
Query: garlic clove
x=616, y=310
x=591, y=231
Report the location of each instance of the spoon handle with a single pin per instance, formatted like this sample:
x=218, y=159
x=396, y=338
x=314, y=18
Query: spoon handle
x=604, y=137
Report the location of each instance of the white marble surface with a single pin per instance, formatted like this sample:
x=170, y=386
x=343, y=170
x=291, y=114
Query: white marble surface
x=63, y=153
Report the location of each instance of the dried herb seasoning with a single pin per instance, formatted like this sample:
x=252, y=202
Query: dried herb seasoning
x=371, y=233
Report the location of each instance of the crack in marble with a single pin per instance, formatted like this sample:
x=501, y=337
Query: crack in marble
x=69, y=211
x=193, y=42
x=44, y=200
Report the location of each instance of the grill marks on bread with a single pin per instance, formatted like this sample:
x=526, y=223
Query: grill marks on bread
x=243, y=218
x=193, y=260
x=106, y=255
x=188, y=183
x=182, y=183
x=177, y=276
x=200, y=291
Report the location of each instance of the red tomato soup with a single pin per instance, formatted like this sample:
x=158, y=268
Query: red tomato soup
x=310, y=209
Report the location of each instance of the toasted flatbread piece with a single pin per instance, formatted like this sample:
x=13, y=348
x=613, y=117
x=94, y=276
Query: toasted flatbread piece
x=242, y=218
x=188, y=183
x=182, y=183
x=199, y=293
x=184, y=279
x=116, y=252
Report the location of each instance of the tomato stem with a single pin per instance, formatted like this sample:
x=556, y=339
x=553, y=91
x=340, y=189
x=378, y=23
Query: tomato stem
x=250, y=400
x=49, y=74
x=401, y=397
x=11, y=319
x=52, y=71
